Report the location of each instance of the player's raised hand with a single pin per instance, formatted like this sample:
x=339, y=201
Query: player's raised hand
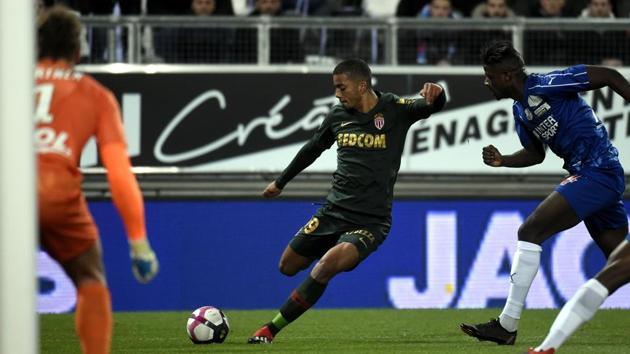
x=430, y=92
x=144, y=263
x=272, y=190
x=492, y=156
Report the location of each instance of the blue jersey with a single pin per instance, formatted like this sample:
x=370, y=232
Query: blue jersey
x=553, y=112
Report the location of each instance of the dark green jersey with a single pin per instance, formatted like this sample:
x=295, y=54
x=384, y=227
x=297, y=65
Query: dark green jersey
x=369, y=149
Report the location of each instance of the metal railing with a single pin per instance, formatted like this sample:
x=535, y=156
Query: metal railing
x=390, y=41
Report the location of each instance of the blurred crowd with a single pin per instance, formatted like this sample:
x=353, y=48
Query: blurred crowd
x=216, y=43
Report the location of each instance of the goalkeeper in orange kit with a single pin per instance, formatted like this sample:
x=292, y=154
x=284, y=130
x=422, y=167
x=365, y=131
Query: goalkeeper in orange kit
x=71, y=108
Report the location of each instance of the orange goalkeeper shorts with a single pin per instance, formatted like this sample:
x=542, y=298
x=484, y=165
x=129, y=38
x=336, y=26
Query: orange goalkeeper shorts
x=66, y=226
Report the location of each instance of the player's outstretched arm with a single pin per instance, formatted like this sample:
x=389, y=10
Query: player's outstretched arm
x=128, y=200
x=601, y=76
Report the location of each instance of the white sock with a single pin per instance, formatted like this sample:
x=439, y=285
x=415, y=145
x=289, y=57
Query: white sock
x=524, y=269
x=578, y=310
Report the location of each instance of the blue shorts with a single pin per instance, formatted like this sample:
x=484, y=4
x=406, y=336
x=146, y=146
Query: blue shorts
x=596, y=196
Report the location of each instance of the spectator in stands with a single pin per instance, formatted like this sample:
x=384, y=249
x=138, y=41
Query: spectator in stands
x=179, y=7
x=439, y=9
x=289, y=7
x=598, y=9
x=267, y=8
x=411, y=8
x=493, y=9
x=601, y=47
x=285, y=44
x=488, y=9
x=203, y=7
x=195, y=44
x=550, y=9
x=544, y=47
x=430, y=47
x=333, y=44
x=97, y=36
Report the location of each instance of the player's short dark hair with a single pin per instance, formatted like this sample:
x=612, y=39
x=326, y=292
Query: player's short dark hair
x=356, y=69
x=503, y=54
x=58, y=33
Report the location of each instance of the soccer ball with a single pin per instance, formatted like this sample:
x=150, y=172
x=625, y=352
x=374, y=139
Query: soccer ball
x=207, y=324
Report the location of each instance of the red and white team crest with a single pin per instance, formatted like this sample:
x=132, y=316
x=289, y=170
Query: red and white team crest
x=570, y=179
x=379, y=121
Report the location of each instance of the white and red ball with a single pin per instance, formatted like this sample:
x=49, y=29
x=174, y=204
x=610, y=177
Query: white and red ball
x=207, y=324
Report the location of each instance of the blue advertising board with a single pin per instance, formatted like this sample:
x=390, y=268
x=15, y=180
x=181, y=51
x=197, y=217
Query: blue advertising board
x=439, y=254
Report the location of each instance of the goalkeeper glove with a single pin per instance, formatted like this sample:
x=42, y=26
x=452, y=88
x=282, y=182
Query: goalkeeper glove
x=144, y=263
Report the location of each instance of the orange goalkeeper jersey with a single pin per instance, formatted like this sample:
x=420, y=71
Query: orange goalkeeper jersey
x=70, y=108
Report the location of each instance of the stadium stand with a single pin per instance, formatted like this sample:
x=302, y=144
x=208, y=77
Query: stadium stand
x=164, y=34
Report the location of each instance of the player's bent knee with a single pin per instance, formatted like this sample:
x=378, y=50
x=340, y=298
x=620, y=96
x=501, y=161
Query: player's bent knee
x=291, y=267
x=292, y=262
x=287, y=269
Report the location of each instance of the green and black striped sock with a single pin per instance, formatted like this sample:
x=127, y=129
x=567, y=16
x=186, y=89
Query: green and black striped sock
x=301, y=299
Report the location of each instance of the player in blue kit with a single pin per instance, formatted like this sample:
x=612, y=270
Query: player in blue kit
x=549, y=112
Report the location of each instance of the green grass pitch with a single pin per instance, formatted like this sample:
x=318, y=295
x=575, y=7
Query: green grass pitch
x=342, y=331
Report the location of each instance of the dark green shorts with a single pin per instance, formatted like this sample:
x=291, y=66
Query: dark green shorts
x=326, y=229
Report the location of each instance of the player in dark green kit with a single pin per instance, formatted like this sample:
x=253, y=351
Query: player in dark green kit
x=370, y=129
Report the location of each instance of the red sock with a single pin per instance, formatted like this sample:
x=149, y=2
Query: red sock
x=93, y=318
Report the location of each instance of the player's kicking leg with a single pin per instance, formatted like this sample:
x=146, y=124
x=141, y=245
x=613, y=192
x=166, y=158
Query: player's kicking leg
x=290, y=264
x=342, y=257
